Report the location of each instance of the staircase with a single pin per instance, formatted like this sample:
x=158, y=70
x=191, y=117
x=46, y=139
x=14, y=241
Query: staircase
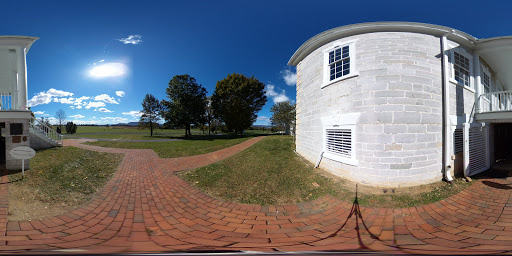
x=43, y=136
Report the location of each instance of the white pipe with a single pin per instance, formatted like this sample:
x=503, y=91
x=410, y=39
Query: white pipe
x=446, y=107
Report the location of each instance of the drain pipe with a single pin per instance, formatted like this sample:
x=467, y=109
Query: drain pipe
x=446, y=109
x=319, y=159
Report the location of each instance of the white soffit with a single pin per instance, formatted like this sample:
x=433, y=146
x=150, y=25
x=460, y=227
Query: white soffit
x=497, y=52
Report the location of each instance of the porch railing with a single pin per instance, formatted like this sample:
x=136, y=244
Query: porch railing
x=6, y=101
x=494, y=102
x=39, y=127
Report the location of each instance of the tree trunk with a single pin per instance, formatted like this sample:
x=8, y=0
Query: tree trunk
x=151, y=128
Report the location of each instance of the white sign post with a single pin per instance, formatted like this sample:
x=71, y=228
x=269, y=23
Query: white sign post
x=22, y=153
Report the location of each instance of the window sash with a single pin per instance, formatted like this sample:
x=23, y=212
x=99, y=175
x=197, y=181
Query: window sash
x=486, y=82
x=461, y=67
x=339, y=62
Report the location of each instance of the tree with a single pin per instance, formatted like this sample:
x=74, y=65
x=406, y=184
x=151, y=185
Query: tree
x=61, y=117
x=71, y=128
x=283, y=115
x=186, y=104
x=210, y=118
x=151, y=112
x=236, y=101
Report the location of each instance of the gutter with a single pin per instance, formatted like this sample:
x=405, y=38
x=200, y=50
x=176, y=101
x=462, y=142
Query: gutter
x=446, y=109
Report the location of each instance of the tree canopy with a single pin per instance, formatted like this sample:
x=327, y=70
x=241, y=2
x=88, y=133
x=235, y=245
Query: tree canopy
x=283, y=115
x=186, y=104
x=151, y=112
x=236, y=101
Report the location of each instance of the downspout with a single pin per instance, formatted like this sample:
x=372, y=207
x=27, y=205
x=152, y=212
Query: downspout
x=446, y=109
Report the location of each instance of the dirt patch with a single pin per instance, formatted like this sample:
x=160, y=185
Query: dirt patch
x=365, y=189
x=397, y=197
x=25, y=206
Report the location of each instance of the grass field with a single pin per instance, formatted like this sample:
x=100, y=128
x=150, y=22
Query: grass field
x=270, y=172
x=58, y=179
x=133, y=133
x=179, y=148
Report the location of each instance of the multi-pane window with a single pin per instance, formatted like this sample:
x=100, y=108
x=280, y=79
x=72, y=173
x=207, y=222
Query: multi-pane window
x=339, y=62
x=339, y=141
x=461, y=68
x=486, y=82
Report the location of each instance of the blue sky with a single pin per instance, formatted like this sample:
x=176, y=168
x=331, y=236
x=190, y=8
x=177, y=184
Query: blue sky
x=138, y=46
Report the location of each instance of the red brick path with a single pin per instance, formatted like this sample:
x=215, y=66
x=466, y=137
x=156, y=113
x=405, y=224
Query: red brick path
x=147, y=208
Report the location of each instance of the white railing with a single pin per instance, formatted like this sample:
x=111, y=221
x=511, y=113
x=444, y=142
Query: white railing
x=494, y=102
x=6, y=101
x=42, y=128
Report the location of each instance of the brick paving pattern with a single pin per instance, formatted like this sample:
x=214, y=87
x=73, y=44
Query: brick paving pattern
x=147, y=208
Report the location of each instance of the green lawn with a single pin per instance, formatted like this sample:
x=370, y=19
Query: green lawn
x=57, y=178
x=169, y=149
x=133, y=133
x=270, y=172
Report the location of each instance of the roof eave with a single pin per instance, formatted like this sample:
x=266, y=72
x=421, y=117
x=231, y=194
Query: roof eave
x=371, y=27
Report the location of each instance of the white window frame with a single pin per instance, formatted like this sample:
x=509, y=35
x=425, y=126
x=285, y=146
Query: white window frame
x=485, y=71
x=465, y=54
x=352, y=160
x=326, y=67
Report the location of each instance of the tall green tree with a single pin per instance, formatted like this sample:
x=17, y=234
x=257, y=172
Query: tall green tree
x=151, y=112
x=186, y=104
x=283, y=115
x=236, y=101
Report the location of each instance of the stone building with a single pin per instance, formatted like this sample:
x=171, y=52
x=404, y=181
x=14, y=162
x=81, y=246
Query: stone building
x=400, y=103
x=17, y=128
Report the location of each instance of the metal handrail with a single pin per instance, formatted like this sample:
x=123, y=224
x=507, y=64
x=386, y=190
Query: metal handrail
x=494, y=102
x=43, y=129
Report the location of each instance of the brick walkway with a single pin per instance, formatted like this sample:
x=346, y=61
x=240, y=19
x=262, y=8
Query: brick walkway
x=147, y=208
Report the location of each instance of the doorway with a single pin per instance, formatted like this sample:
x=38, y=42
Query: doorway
x=502, y=142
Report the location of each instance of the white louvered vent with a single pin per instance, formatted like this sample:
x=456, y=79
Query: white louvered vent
x=458, y=141
x=339, y=141
x=477, y=150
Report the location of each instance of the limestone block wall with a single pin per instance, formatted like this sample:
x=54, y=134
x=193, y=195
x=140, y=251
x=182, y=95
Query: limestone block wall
x=398, y=94
x=12, y=141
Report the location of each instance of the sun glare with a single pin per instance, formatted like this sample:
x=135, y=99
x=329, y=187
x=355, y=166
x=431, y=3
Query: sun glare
x=109, y=70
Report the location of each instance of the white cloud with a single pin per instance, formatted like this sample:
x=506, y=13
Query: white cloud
x=290, y=78
x=42, y=98
x=72, y=107
x=104, y=110
x=77, y=116
x=131, y=39
x=276, y=97
x=105, y=98
x=109, y=70
x=120, y=93
x=133, y=113
x=78, y=107
x=38, y=112
x=263, y=119
x=94, y=104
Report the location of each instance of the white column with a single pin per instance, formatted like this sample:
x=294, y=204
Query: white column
x=21, y=102
x=476, y=68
